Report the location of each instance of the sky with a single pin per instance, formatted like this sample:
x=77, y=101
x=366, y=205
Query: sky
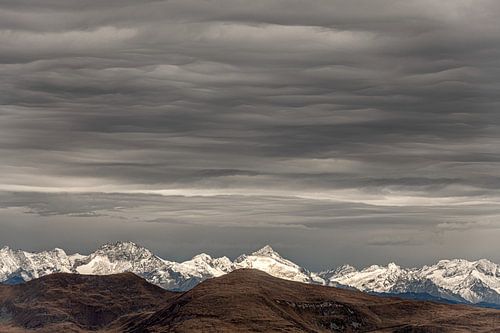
x=358, y=132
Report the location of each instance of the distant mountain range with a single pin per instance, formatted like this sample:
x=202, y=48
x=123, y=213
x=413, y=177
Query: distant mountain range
x=456, y=281
x=244, y=300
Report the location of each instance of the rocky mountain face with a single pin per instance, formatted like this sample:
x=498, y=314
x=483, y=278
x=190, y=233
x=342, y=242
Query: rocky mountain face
x=456, y=280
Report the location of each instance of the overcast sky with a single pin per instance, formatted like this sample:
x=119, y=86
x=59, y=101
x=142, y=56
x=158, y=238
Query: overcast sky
x=354, y=132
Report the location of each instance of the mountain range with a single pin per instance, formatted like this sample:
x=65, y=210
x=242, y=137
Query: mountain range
x=457, y=280
x=244, y=300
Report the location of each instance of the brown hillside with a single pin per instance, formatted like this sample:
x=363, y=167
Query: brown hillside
x=72, y=302
x=253, y=301
x=242, y=301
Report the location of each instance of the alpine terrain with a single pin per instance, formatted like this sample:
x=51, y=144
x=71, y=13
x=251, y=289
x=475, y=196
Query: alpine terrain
x=244, y=300
x=457, y=281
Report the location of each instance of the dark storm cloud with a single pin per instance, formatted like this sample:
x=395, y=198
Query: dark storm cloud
x=373, y=103
x=178, y=227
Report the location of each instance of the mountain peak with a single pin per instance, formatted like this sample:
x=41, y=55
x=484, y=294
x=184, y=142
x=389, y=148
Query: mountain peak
x=5, y=248
x=455, y=279
x=393, y=266
x=122, y=246
x=202, y=257
x=488, y=267
x=266, y=251
x=124, y=250
x=345, y=269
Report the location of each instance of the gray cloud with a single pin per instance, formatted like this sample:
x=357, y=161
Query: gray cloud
x=338, y=108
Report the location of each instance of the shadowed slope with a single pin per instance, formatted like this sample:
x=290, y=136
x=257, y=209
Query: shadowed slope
x=253, y=301
x=77, y=301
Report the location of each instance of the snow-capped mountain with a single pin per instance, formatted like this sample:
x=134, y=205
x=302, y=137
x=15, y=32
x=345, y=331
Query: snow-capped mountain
x=189, y=273
x=374, y=278
x=456, y=280
x=267, y=260
x=477, y=281
x=120, y=257
x=21, y=265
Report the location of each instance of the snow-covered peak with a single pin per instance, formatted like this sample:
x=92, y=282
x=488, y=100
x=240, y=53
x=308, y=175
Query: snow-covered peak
x=223, y=264
x=340, y=271
x=266, y=251
x=345, y=269
x=456, y=279
x=374, y=278
x=124, y=251
x=269, y=261
x=487, y=267
x=462, y=267
x=469, y=279
x=120, y=257
x=203, y=265
x=202, y=257
x=393, y=267
x=120, y=246
x=27, y=265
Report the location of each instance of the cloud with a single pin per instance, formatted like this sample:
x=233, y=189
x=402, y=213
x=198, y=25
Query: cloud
x=394, y=242
x=464, y=225
x=370, y=105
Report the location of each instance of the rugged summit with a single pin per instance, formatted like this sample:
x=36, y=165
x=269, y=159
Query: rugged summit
x=17, y=265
